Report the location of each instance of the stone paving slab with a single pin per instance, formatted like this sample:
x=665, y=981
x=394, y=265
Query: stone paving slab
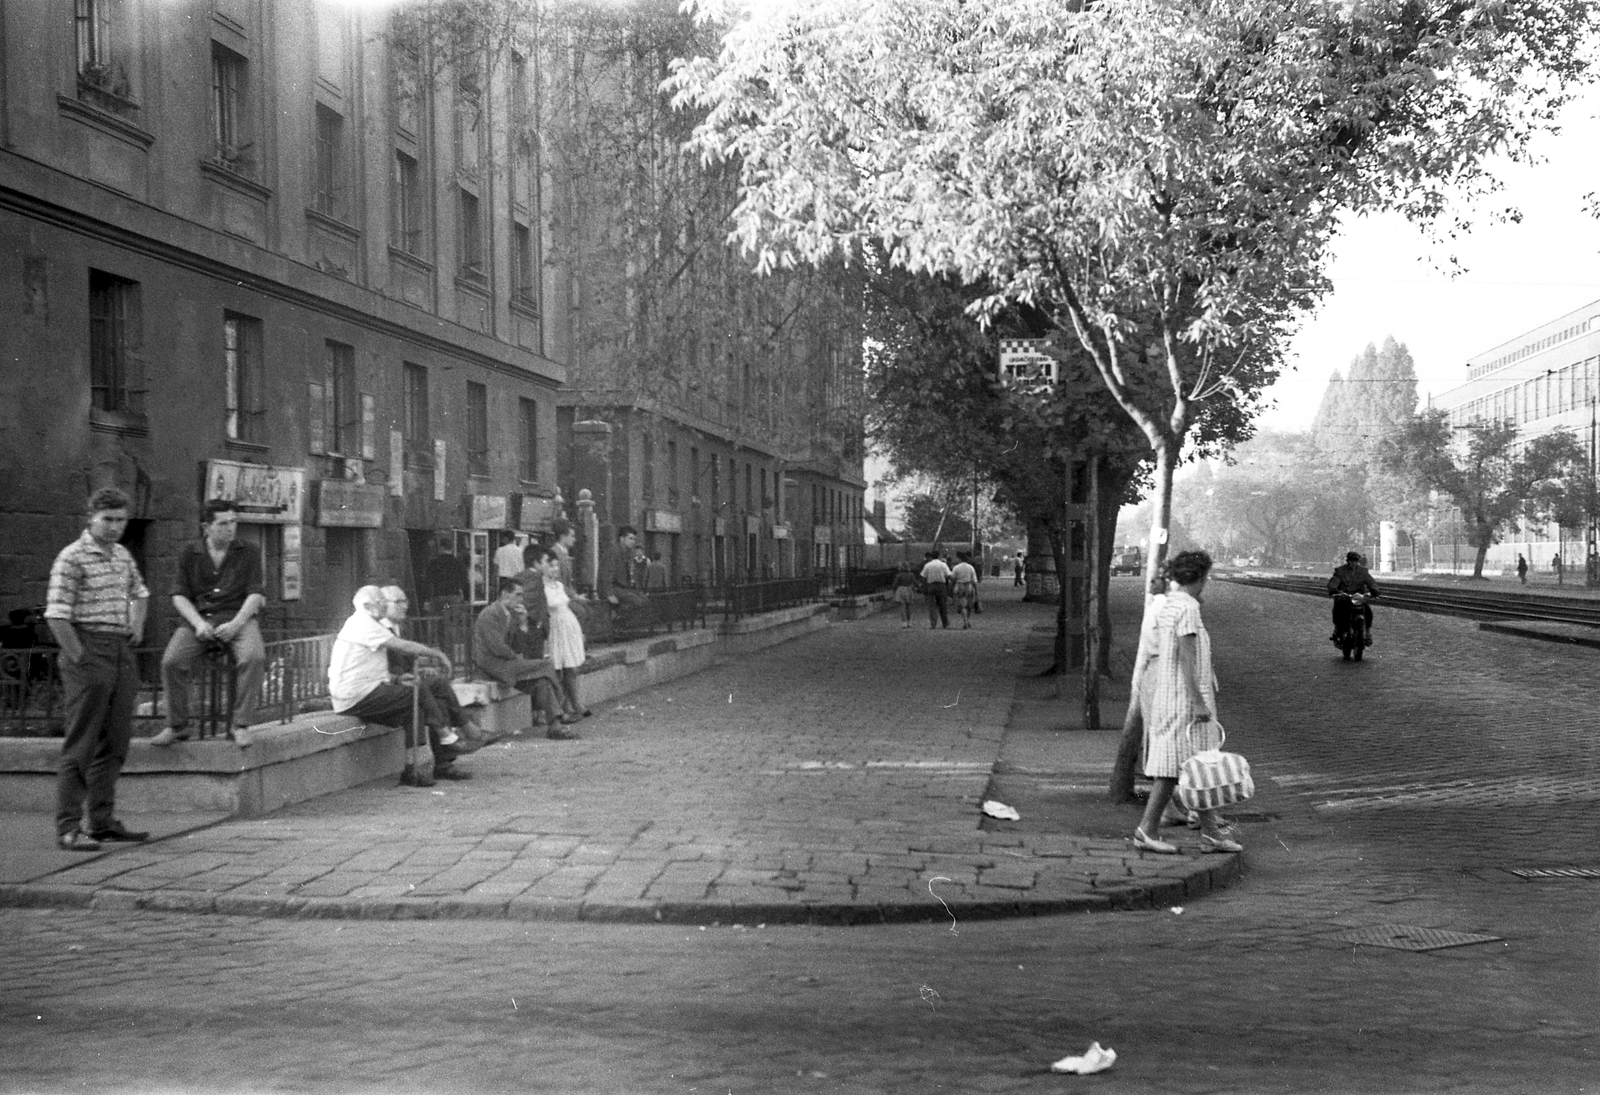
x=836, y=779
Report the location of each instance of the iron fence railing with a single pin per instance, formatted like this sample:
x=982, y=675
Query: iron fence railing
x=754, y=597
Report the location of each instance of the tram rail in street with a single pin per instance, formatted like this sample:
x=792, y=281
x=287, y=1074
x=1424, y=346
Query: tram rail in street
x=1446, y=600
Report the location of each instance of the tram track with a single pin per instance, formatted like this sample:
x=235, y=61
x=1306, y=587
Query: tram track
x=1473, y=604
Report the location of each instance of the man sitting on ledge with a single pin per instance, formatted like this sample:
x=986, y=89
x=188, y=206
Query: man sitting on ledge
x=508, y=645
x=360, y=686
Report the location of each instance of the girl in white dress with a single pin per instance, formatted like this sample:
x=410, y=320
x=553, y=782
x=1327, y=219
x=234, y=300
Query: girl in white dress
x=564, y=647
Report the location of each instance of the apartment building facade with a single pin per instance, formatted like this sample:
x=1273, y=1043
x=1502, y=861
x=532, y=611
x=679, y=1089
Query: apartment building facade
x=300, y=255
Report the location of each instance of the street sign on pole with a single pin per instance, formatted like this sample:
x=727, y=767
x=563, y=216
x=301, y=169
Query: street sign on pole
x=1024, y=361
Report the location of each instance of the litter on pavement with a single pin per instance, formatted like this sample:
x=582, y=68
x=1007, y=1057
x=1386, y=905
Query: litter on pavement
x=1094, y=1059
x=1001, y=811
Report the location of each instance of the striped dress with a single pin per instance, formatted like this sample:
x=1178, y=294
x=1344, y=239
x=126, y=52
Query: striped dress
x=1164, y=698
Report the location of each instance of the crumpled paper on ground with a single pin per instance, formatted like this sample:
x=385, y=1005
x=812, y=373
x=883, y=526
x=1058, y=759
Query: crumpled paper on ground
x=1095, y=1059
x=1001, y=811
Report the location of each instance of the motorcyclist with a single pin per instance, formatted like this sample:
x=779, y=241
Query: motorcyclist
x=1351, y=578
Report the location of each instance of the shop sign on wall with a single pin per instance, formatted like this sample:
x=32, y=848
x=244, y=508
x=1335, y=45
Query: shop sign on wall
x=262, y=493
x=343, y=504
x=292, y=557
x=488, y=511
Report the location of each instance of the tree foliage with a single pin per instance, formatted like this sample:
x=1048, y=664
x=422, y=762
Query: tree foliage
x=1487, y=474
x=1159, y=179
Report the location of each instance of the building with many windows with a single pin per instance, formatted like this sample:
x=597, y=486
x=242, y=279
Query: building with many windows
x=254, y=251
x=385, y=287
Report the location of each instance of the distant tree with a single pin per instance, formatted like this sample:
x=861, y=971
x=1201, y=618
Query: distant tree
x=1488, y=479
x=930, y=519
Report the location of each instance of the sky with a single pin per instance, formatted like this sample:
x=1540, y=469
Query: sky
x=1515, y=277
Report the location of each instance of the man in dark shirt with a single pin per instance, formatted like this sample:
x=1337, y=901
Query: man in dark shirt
x=448, y=580
x=1351, y=578
x=218, y=594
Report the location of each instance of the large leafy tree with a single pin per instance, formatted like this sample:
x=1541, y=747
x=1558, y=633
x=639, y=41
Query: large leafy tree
x=1160, y=179
x=1488, y=477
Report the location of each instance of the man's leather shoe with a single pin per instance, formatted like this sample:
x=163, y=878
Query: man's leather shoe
x=117, y=831
x=76, y=840
x=450, y=771
x=410, y=777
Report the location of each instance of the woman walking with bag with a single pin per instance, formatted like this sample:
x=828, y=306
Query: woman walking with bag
x=1178, y=694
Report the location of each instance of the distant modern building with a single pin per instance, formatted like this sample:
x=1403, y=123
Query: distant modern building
x=1543, y=380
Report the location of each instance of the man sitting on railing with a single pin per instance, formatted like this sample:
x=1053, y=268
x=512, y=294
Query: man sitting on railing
x=219, y=592
x=360, y=685
x=508, y=645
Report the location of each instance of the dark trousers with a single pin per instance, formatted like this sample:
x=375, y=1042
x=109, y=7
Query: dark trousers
x=938, y=611
x=1341, y=614
x=99, y=694
x=390, y=705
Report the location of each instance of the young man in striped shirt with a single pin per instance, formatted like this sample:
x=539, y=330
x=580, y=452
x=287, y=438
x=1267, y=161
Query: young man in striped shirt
x=96, y=611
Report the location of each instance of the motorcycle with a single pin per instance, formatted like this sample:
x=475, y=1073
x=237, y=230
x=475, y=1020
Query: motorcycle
x=1352, y=638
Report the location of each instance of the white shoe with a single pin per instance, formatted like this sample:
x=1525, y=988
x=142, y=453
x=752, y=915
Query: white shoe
x=170, y=736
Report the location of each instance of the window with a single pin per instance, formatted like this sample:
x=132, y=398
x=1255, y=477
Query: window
x=245, y=417
x=694, y=475
x=407, y=204
x=414, y=424
x=527, y=272
x=228, y=72
x=672, y=473
x=407, y=73
x=335, y=403
x=471, y=236
x=528, y=441
x=477, y=429
x=648, y=474
x=102, y=77
x=329, y=195
x=116, y=373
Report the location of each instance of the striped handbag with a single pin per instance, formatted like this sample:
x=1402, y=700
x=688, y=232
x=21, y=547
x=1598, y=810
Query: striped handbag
x=1211, y=779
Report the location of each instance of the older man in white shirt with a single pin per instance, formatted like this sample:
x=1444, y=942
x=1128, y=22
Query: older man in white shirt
x=360, y=684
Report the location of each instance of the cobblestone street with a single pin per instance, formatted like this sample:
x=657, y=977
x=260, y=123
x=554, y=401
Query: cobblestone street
x=1397, y=797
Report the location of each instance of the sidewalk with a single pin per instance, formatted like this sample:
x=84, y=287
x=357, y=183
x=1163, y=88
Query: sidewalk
x=835, y=779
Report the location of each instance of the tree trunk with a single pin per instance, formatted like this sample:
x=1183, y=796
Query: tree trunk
x=1132, y=741
x=1093, y=637
x=1482, y=551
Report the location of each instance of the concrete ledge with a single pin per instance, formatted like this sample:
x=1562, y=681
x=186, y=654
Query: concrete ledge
x=863, y=605
x=284, y=763
x=319, y=753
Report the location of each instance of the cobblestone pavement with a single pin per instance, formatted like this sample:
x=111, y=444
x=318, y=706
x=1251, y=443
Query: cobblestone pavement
x=1261, y=987
x=837, y=778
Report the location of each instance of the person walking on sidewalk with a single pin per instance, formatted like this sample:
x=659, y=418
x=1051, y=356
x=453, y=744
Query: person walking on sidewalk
x=96, y=609
x=219, y=594
x=965, y=579
x=904, y=592
x=1178, y=695
x=565, y=644
x=936, y=584
x=1522, y=569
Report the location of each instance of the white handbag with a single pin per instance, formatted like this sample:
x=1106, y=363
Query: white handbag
x=1211, y=778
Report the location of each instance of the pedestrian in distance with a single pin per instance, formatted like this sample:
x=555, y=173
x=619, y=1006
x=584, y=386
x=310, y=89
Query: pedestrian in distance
x=936, y=588
x=904, y=591
x=1555, y=566
x=219, y=594
x=565, y=644
x=1016, y=569
x=1178, y=695
x=964, y=580
x=95, y=609
x=1522, y=569
x=448, y=582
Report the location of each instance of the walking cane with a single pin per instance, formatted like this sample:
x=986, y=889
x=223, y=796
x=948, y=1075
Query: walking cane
x=419, y=734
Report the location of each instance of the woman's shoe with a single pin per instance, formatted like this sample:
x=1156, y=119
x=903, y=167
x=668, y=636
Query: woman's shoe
x=1219, y=843
x=1151, y=844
